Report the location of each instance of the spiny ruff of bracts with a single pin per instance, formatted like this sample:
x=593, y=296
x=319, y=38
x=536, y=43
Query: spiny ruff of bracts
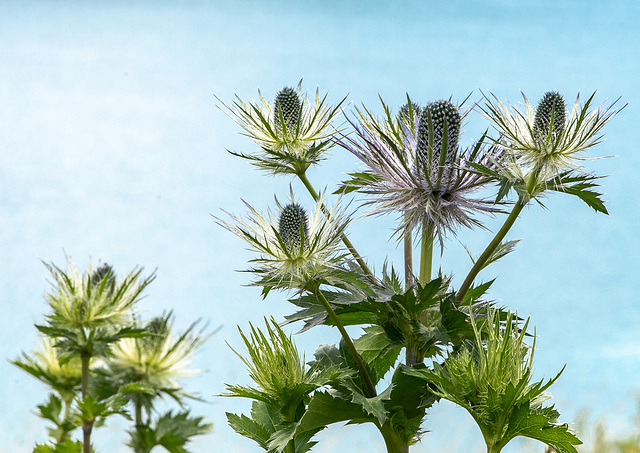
x=294, y=250
x=292, y=135
x=395, y=183
x=543, y=140
x=287, y=110
x=293, y=226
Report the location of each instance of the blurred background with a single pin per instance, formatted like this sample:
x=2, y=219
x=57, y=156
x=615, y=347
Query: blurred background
x=112, y=150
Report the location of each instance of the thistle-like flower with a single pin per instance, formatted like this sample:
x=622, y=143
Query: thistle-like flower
x=420, y=172
x=292, y=135
x=544, y=139
x=94, y=299
x=156, y=361
x=294, y=250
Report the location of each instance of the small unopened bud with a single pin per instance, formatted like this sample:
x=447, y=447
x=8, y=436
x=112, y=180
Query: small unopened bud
x=293, y=226
x=104, y=272
x=551, y=114
x=407, y=113
x=287, y=107
x=442, y=115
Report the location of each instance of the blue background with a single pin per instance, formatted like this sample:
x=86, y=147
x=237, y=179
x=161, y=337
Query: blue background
x=112, y=149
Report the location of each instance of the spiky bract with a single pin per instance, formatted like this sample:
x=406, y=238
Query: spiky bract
x=292, y=135
x=156, y=361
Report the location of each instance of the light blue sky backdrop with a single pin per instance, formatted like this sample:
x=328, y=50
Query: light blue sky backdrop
x=111, y=149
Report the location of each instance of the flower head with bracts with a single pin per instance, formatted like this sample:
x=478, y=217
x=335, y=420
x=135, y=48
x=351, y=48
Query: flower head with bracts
x=294, y=250
x=292, y=135
x=545, y=144
x=158, y=360
x=416, y=168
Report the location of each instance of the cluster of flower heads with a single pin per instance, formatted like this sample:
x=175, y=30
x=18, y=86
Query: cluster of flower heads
x=292, y=135
x=416, y=168
x=294, y=249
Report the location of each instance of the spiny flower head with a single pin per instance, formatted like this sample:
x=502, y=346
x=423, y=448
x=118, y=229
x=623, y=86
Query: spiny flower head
x=293, y=249
x=551, y=115
x=287, y=110
x=158, y=360
x=400, y=179
x=544, y=141
x=292, y=135
x=438, y=132
x=293, y=226
x=93, y=299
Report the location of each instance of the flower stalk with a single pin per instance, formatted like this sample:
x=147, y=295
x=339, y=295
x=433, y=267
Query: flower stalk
x=345, y=240
x=347, y=339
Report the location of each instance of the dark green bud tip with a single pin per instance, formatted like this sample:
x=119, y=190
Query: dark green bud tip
x=407, y=113
x=158, y=328
x=551, y=115
x=442, y=115
x=293, y=225
x=287, y=108
x=104, y=272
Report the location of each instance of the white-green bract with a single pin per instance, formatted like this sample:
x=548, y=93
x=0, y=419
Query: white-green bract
x=395, y=183
x=286, y=146
x=282, y=267
x=546, y=152
x=157, y=361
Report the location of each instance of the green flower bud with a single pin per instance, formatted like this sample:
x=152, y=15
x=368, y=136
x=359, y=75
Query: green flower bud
x=442, y=114
x=403, y=113
x=288, y=105
x=550, y=113
x=293, y=225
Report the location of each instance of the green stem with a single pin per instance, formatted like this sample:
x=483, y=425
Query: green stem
x=394, y=442
x=303, y=177
x=408, y=259
x=426, y=253
x=345, y=336
x=85, y=358
x=486, y=254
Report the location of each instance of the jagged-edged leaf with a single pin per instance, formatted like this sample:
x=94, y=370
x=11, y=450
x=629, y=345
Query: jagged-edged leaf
x=580, y=186
x=377, y=350
x=326, y=408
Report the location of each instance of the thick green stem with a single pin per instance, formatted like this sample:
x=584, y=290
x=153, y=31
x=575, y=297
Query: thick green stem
x=85, y=358
x=345, y=239
x=426, y=254
x=345, y=336
x=394, y=442
x=486, y=254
